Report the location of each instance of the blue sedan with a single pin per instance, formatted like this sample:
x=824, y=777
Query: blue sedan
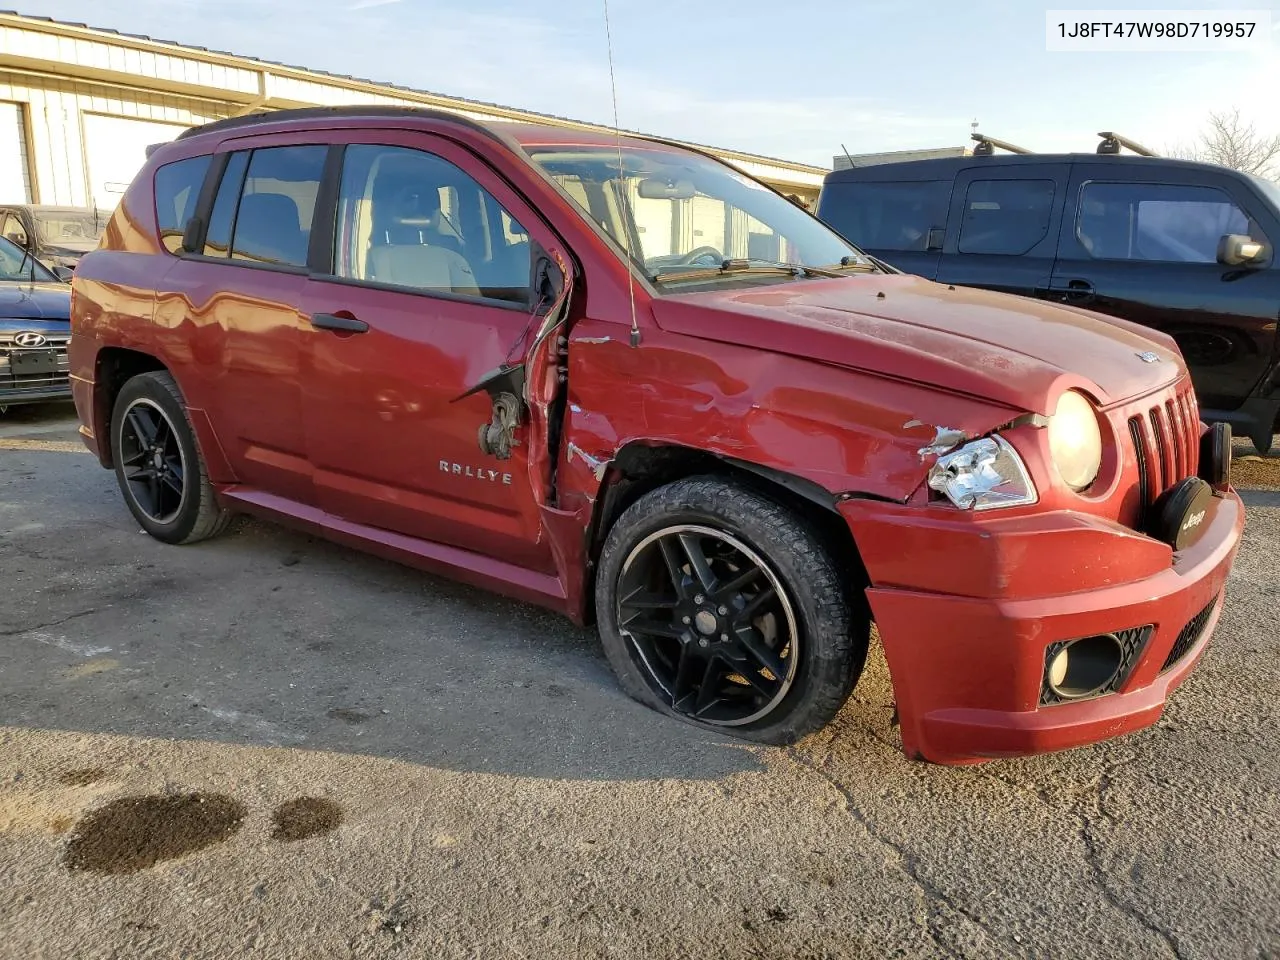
x=35, y=325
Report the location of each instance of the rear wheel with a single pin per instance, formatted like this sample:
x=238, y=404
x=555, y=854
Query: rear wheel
x=720, y=606
x=158, y=464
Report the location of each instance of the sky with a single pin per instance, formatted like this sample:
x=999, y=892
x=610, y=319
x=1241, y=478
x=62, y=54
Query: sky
x=792, y=79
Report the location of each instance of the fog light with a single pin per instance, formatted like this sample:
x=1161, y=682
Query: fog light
x=1084, y=667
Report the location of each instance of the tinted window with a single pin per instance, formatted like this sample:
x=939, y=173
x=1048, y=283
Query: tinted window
x=1157, y=221
x=1005, y=216
x=415, y=220
x=887, y=216
x=273, y=220
x=177, y=190
x=14, y=230
x=217, y=240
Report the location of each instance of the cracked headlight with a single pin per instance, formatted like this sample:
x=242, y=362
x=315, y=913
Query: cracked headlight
x=983, y=475
x=1075, y=441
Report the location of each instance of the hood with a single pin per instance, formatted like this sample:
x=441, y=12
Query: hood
x=33, y=301
x=997, y=347
x=70, y=248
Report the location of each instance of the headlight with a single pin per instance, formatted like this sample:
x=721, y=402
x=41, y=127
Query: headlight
x=983, y=475
x=1075, y=441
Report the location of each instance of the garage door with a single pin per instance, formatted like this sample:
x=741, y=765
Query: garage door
x=15, y=170
x=115, y=149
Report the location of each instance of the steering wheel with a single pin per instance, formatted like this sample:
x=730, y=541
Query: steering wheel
x=709, y=256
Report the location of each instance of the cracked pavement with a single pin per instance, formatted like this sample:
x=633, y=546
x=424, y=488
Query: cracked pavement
x=500, y=797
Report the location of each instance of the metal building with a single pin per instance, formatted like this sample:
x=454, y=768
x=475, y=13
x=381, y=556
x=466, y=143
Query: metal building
x=78, y=107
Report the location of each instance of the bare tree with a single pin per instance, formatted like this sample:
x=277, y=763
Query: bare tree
x=1235, y=143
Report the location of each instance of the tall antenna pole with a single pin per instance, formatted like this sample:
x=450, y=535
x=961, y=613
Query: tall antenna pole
x=624, y=200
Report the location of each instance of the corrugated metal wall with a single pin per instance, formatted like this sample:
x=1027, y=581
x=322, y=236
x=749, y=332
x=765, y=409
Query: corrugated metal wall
x=54, y=109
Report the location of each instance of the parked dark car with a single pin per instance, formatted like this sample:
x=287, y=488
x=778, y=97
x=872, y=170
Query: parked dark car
x=35, y=325
x=731, y=445
x=59, y=236
x=1185, y=248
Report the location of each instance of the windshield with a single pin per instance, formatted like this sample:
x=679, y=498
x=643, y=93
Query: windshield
x=683, y=214
x=13, y=267
x=57, y=228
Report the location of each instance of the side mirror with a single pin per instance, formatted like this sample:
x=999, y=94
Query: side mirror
x=64, y=273
x=17, y=238
x=1235, y=249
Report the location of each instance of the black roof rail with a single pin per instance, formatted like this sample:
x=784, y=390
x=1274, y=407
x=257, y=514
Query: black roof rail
x=1112, y=142
x=987, y=145
x=323, y=113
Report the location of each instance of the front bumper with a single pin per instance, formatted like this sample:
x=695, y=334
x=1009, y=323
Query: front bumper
x=968, y=670
x=12, y=397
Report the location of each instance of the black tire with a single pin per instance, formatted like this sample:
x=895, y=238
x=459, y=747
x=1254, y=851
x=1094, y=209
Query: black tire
x=184, y=515
x=831, y=626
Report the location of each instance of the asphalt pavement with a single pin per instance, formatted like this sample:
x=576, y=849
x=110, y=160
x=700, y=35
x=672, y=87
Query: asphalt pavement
x=269, y=746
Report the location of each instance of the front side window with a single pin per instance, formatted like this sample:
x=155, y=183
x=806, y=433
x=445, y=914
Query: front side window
x=682, y=215
x=1005, y=217
x=271, y=223
x=177, y=190
x=887, y=216
x=1181, y=223
x=412, y=219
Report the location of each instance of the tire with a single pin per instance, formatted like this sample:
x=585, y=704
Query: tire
x=187, y=511
x=769, y=690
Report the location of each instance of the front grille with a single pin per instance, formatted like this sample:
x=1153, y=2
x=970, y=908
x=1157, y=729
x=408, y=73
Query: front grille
x=11, y=379
x=1189, y=636
x=1166, y=445
x=1132, y=643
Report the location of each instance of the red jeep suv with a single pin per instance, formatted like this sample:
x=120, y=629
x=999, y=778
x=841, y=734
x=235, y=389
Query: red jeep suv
x=624, y=380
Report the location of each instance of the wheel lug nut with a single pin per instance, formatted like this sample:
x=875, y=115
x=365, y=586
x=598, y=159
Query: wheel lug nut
x=724, y=638
x=702, y=641
x=723, y=610
x=699, y=598
x=686, y=621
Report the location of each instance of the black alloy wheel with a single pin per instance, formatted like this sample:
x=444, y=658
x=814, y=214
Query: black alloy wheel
x=152, y=461
x=158, y=464
x=712, y=626
x=726, y=608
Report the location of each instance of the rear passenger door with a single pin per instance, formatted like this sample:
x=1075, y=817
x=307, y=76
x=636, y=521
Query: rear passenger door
x=1002, y=231
x=233, y=308
x=1140, y=242
x=426, y=290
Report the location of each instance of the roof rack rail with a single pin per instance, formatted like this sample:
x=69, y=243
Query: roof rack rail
x=987, y=145
x=1112, y=142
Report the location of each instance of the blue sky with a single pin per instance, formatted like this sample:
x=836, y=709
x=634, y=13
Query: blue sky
x=786, y=78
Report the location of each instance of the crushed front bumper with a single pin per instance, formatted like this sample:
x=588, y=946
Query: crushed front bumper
x=968, y=671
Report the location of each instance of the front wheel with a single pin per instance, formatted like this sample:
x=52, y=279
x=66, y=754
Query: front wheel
x=720, y=606
x=158, y=464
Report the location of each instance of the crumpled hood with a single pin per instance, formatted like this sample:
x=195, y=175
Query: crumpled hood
x=33, y=301
x=1013, y=350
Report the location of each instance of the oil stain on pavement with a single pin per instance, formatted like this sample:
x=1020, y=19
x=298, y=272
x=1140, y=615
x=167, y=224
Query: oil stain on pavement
x=305, y=817
x=135, y=833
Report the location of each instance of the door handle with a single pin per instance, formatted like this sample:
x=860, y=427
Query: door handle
x=342, y=323
x=1073, y=291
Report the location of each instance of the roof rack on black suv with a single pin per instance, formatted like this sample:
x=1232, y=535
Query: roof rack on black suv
x=1184, y=247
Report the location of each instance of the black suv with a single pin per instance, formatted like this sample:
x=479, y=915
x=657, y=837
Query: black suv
x=1187, y=248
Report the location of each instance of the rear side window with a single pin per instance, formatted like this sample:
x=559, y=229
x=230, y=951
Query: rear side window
x=1005, y=217
x=177, y=190
x=887, y=216
x=263, y=209
x=1158, y=221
